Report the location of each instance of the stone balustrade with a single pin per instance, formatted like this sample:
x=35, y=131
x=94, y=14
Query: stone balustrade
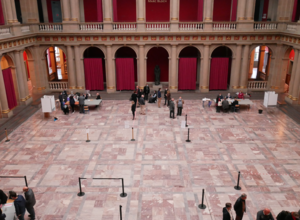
x=58, y=86
x=257, y=85
x=291, y=27
x=224, y=26
x=157, y=26
x=124, y=27
x=190, y=26
x=265, y=26
x=4, y=31
x=25, y=28
x=91, y=27
x=50, y=27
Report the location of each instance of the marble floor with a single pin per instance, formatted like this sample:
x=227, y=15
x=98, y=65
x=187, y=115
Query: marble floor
x=163, y=174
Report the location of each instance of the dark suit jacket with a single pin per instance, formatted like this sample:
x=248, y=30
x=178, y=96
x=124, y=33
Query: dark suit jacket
x=30, y=198
x=98, y=97
x=238, y=206
x=260, y=216
x=146, y=90
x=81, y=100
x=3, y=197
x=226, y=214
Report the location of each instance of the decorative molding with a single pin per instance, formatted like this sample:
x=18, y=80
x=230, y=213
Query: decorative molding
x=243, y=87
x=72, y=87
x=107, y=19
x=207, y=19
x=5, y=111
x=111, y=87
x=204, y=87
x=290, y=96
x=66, y=19
x=294, y=98
x=174, y=19
x=74, y=19
x=173, y=87
x=79, y=87
x=141, y=19
x=241, y=19
x=235, y=87
x=23, y=99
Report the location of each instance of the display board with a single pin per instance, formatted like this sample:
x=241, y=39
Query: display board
x=270, y=99
x=48, y=104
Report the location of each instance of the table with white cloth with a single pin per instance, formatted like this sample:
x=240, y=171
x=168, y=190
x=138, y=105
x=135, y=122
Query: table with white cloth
x=246, y=102
x=89, y=102
x=206, y=100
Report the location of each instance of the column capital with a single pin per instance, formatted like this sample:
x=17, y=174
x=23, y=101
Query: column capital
x=141, y=45
x=174, y=45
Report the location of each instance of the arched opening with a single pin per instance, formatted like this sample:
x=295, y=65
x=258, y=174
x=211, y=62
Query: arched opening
x=220, y=68
x=126, y=68
x=290, y=53
x=94, y=68
x=56, y=64
x=158, y=56
x=260, y=63
x=28, y=63
x=10, y=83
x=265, y=10
x=189, y=68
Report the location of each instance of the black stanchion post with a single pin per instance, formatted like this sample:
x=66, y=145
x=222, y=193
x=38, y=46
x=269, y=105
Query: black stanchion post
x=80, y=191
x=132, y=135
x=202, y=206
x=7, y=140
x=26, y=184
x=237, y=187
x=120, y=212
x=186, y=125
x=188, y=140
x=123, y=194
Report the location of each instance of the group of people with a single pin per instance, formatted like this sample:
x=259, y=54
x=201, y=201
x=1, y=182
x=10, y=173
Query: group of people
x=71, y=99
x=265, y=214
x=223, y=103
x=21, y=204
x=139, y=97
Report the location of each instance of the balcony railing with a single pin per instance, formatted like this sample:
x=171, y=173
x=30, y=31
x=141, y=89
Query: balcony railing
x=291, y=27
x=91, y=27
x=50, y=27
x=124, y=27
x=25, y=28
x=4, y=31
x=190, y=26
x=257, y=85
x=157, y=26
x=58, y=85
x=265, y=26
x=224, y=26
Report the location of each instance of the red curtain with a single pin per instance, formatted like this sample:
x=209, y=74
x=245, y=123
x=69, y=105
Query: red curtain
x=158, y=56
x=188, y=11
x=234, y=10
x=125, y=73
x=1, y=15
x=187, y=75
x=93, y=10
x=26, y=60
x=126, y=11
x=93, y=72
x=158, y=11
x=219, y=71
x=99, y=11
x=200, y=10
x=295, y=11
x=115, y=10
x=49, y=10
x=9, y=88
x=265, y=10
x=222, y=10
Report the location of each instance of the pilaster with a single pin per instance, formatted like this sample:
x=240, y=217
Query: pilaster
x=204, y=75
x=110, y=75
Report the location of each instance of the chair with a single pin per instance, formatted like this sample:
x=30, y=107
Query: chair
x=236, y=108
x=86, y=109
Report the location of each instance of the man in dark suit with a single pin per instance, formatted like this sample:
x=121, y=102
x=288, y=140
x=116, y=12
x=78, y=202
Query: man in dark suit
x=227, y=214
x=264, y=215
x=81, y=103
x=146, y=91
x=240, y=206
x=98, y=96
x=30, y=201
x=60, y=97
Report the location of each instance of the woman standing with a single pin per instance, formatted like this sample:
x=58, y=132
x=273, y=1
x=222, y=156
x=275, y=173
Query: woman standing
x=72, y=103
x=133, y=108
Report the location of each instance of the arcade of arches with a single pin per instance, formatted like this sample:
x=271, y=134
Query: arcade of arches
x=111, y=68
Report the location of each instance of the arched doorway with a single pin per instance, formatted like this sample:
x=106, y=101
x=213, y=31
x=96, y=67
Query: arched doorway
x=94, y=68
x=126, y=68
x=29, y=69
x=158, y=56
x=189, y=68
x=290, y=53
x=260, y=63
x=56, y=64
x=10, y=83
x=220, y=68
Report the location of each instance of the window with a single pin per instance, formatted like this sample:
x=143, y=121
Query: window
x=256, y=53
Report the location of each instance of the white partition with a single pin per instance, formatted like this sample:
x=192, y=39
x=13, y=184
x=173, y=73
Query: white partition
x=270, y=99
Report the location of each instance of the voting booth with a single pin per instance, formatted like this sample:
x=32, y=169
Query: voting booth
x=48, y=105
x=270, y=99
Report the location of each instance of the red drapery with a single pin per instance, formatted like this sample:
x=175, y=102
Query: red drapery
x=125, y=73
x=222, y=10
x=93, y=72
x=188, y=11
x=93, y=10
x=295, y=11
x=234, y=10
x=1, y=15
x=200, y=10
x=158, y=56
x=187, y=75
x=99, y=11
x=115, y=10
x=158, y=11
x=26, y=60
x=265, y=10
x=9, y=88
x=49, y=10
x=219, y=71
x=126, y=10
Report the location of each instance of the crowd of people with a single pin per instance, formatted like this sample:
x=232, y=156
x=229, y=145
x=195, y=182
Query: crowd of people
x=21, y=203
x=227, y=104
x=139, y=97
x=265, y=214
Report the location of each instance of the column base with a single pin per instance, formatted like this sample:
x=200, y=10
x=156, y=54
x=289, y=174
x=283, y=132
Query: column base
x=173, y=89
x=111, y=89
x=7, y=113
x=204, y=89
x=26, y=101
x=291, y=100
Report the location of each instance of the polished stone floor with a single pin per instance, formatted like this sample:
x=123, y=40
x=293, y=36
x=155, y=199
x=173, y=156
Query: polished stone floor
x=163, y=174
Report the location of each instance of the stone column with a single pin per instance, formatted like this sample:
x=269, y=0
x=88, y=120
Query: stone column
x=13, y=10
x=6, y=113
x=235, y=77
x=21, y=85
x=39, y=68
x=174, y=15
x=10, y=11
x=74, y=10
x=208, y=10
x=241, y=10
x=110, y=75
x=245, y=68
x=66, y=10
x=23, y=75
x=250, y=10
x=173, y=71
x=291, y=87
x=141, y=15
x=45, y=11
x=79, y=73
x=142, y=73
x=33, y=16
x=204, y=75
x=71, y=72
x=107, y=15
x=294, y=91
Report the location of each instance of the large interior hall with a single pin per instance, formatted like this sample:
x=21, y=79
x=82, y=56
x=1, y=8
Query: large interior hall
x=150, y=109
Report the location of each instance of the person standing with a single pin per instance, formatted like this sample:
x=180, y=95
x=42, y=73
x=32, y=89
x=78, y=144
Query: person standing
x=180, y=103
x=81, y=103
x=172, y=108
x=20, y=204
x=146, y=91
x=3, y=197
x=168, y=97
x=134, y=97
x=292, y=216
x=264, y=215
x=72, y=103
x=60, y=97
x=142, y=103
x=240, y=206
x=159, y=97
x=30, y=201
x=2, y=215
x=98, y=96
x=219, y=102
x=227, y=214
x=225, y=105
x=165, y=95
x=133, y=108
